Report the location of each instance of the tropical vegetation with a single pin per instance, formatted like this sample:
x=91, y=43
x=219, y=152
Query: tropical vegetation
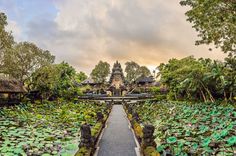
x=50, y=128
x=199, y=79
x=191, y=129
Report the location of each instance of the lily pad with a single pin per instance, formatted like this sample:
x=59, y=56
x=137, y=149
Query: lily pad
x=171, y=140
x=231, y=141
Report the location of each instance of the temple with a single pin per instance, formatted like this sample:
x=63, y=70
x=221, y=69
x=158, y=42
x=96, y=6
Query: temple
x=117, y=81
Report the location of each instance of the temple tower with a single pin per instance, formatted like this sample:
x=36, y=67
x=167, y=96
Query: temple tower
x=117, y=81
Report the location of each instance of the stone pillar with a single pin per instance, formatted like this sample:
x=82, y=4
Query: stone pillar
x=108, y=105
x=130, y=110
x=86, y=137
x=135, y=116
x=148, y=138
x=100, y=116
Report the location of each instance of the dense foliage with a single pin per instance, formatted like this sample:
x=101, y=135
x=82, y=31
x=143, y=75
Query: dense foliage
x=20, y=60
x=100, y=72
x=198, y=129
x=81, y=76
x=6, y=39
x=24, y=58
x=199, y=79
x=45, y=129
x=56, y=80
x=134, y=71
x=215, y=20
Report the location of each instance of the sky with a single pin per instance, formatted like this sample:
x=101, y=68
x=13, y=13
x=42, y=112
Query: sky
x=82, y=32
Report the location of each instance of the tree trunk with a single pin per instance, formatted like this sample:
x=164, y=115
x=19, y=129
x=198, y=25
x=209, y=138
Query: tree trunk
x=231, y=96
x=225, y=96
x=175, y=96
x=203, y=96
x=208, y=92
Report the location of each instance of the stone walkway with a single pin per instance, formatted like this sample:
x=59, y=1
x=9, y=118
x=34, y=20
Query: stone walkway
x=117, y=139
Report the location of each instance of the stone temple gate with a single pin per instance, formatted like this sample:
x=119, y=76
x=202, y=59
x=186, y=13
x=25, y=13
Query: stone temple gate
x=117, y=81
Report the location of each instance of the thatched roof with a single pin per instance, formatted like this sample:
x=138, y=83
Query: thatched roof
x=11, y=86
x=144, y=79
x=89, y=81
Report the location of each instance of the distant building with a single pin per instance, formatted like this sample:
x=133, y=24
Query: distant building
x=117, y=81
x=92, y=87
x=11, y=91
x=145, y=81
x=89, y=82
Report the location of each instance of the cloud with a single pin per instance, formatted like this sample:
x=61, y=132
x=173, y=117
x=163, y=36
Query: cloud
x=15, y=29
x=148, y=32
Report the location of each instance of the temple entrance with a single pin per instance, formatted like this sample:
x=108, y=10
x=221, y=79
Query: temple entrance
x=117, y=81
x=117, y=92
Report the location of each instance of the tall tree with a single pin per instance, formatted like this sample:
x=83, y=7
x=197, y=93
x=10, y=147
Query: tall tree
x=81, y=76
x=134, y=70
x=6, y=39
x=24, y=59
x=143, y=71
x=131, y=69
x=57, y=80
x=215, y=20
x=100, y=72
x=204, y=79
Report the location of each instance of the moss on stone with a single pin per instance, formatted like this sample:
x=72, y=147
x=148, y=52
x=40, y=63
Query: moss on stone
x=138, y=130
x=96, y=129
x=130, y=117
x=150, y=151
x=83, y=151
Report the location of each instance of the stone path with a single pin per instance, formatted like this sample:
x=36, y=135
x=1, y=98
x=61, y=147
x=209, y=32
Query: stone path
x=117, y=139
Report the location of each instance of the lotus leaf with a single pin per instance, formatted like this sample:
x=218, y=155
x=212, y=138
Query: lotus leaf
x=40, y=129
x=160, y=149
x=198, y=127
x=231, y=141
x=171, y=140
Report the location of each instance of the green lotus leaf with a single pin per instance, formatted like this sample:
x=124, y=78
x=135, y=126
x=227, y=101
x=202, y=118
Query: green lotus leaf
x=9, y=154
x=206, y=142
x=187, y=133
x=203, y=128
x=224, y=133
x=54, y=152
x=216, y=136
x=65, y=154
x=18, y=150
x=171, y=140
x=195, y=146
x=71, y=147
x=231, y=141
x=159, y=149
x=46, y=154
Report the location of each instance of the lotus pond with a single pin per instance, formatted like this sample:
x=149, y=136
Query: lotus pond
x=199, y=129
x=44, y=129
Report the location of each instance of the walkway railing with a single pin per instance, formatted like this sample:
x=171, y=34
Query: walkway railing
x=106, y=97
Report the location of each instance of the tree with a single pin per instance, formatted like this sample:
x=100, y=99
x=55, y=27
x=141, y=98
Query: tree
x=193, y=79
x=215, y=20
x=55, y=80
x=143, y=71
x=24, y=59
x=81, y=76
x=230, y=76
x=134, y=70
x=6, y=39
x=100, y=72
x=131, y=69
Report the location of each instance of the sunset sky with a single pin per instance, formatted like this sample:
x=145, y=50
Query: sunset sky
x=82, y=32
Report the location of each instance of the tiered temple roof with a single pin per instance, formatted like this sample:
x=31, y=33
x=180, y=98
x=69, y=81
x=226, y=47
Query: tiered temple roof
x=117, y=70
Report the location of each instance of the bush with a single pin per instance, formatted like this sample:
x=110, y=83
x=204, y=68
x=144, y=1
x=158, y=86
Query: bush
x=160, y=97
